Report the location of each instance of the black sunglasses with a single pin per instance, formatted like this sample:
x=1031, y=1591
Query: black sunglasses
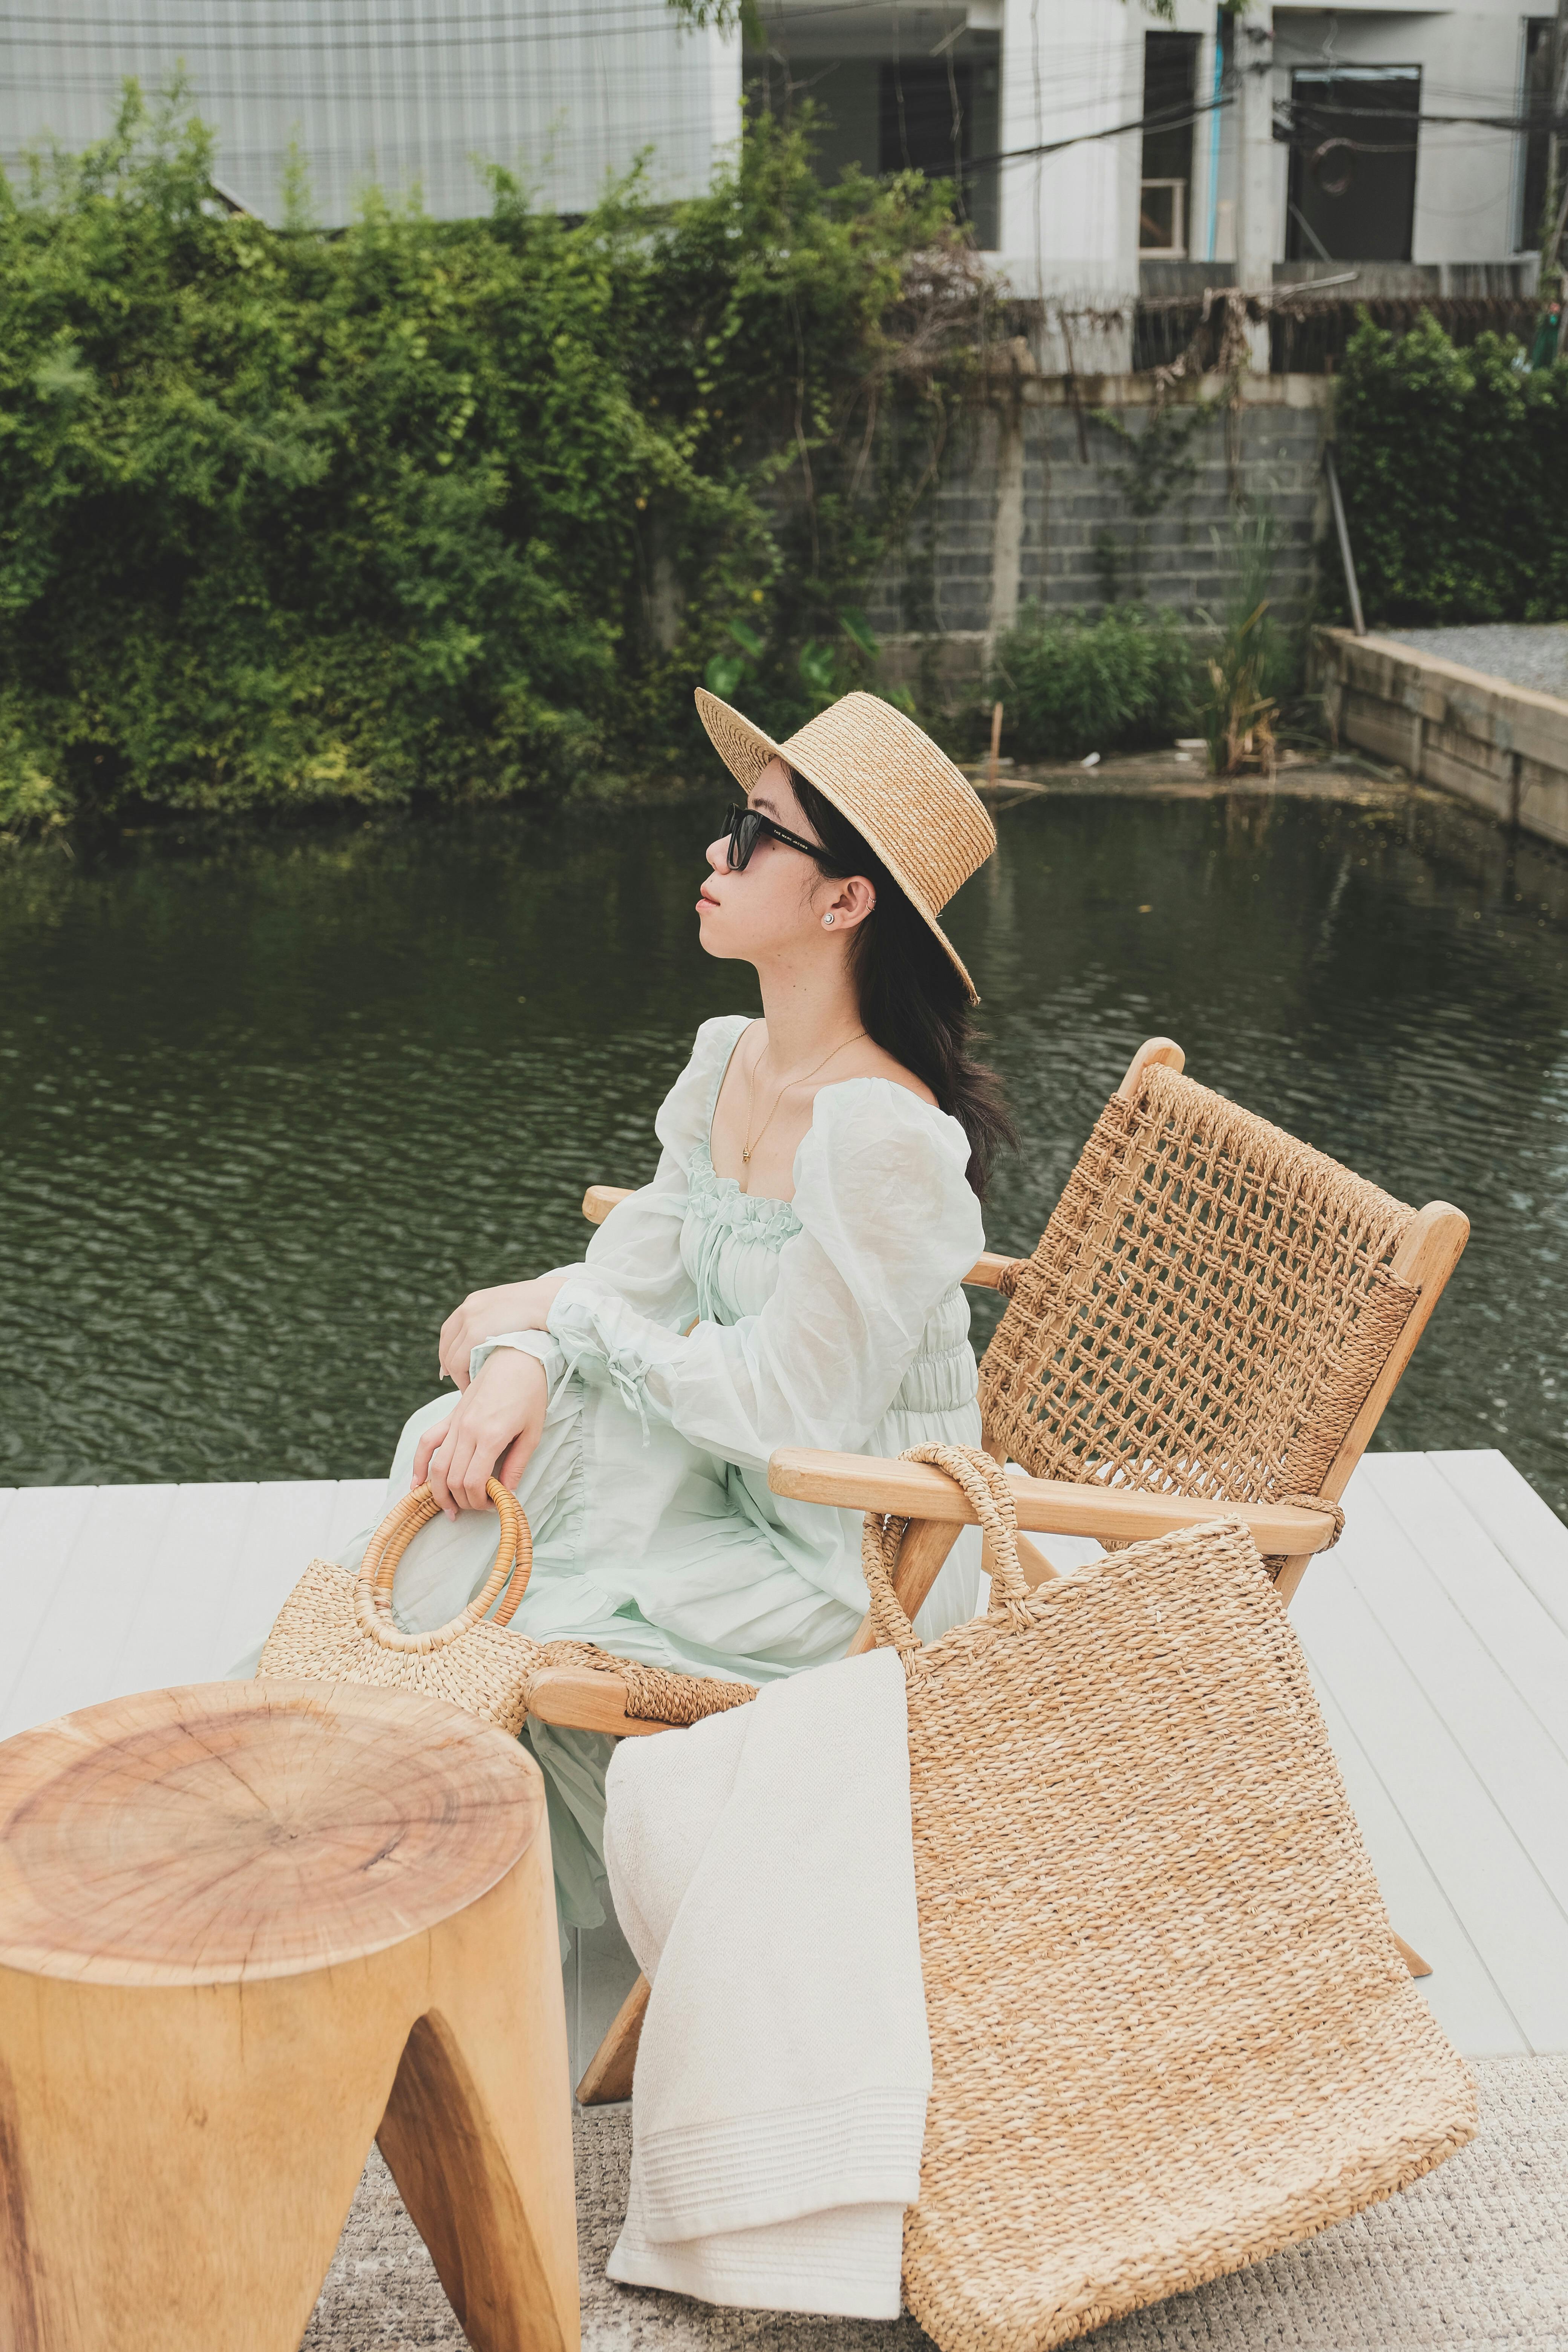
x=747, y=826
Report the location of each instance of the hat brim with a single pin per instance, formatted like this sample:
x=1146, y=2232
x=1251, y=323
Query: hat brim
x=745, y=750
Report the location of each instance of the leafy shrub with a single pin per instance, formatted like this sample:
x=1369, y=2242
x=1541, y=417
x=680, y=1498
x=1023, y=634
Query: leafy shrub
x=1071, y=684
x=1451, y=464
x=30, y=803
x=442, y=509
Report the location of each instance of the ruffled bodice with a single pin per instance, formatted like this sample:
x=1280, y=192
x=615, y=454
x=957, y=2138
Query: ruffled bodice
x=749, y=1323
x=730, y=1247
x=730, y=1240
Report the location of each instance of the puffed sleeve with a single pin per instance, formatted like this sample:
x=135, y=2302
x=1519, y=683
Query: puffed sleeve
x=635, y=1253
x=889, y=1224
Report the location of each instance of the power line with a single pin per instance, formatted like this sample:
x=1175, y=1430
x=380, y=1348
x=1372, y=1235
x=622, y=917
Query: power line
x=1115, y=131
x=1516, y=122
x=376, y=29
x=1301, y=120
x=1158, y=122
x=562, y=23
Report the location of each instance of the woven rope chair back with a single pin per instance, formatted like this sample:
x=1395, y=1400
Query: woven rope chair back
x=1206, y=1309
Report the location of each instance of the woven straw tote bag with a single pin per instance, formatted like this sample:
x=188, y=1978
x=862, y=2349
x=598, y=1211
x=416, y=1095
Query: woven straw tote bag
x=1171, y=2030
x=337, y=1627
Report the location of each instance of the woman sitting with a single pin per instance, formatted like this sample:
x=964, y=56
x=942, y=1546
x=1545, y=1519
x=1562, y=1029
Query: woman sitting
x=791, y=1276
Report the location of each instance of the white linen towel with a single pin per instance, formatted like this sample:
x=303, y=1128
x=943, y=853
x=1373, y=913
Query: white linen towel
x=762, y=1871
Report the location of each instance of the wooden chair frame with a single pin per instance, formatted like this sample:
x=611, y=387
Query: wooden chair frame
x=936, y=1510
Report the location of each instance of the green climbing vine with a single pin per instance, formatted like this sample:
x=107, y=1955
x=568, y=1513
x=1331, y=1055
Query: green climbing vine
x=431, y=510
x=1160, y=465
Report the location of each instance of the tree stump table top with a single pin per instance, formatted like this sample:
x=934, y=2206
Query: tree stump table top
x=232, y=1832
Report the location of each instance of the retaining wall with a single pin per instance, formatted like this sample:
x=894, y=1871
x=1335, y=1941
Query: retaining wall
x=1041, y=496
x=1504, y=748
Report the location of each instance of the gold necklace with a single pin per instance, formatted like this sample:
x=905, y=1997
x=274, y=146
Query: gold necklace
x=749, y=1147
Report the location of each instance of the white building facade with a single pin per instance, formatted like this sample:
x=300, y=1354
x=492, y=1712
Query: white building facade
x=1250, y=105
x=411, y=96
x=1282, y=139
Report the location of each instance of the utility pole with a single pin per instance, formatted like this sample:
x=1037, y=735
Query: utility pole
x=1556, y=155
x=1256, y=226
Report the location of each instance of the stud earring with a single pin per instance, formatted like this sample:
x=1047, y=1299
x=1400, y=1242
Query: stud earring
x=827, y=922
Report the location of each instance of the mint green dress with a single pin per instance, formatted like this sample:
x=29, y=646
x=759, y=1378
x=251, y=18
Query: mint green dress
x=836, y=1319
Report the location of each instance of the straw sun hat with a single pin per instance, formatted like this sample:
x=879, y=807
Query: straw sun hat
x=922, y=817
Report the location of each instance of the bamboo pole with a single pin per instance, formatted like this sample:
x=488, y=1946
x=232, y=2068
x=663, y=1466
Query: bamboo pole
x=1343, y=528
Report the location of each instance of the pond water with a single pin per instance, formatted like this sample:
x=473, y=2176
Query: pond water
x=268, y=1110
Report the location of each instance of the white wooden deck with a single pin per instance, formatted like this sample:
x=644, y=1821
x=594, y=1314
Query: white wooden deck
x=1437, y=1632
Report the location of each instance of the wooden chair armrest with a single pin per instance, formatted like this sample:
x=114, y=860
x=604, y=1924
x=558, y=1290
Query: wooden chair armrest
x=985, y=1273
x=579, y=1699
x=912, y=1490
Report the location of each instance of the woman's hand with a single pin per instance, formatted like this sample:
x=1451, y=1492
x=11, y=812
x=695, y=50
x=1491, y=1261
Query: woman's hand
x=511, y=1306
x=490, y=1432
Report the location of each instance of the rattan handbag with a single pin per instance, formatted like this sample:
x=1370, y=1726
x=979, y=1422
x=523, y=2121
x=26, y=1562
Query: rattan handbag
x=338, y=1627
x=1171, y=2030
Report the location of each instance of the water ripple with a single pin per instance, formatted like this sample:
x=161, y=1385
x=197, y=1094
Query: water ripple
x=268, y=1114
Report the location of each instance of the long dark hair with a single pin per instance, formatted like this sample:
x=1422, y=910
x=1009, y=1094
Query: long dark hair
x=912, y=1001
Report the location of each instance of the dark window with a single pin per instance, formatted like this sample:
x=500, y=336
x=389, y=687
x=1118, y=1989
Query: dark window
x=924, y=118
x=1536, y=100
x=1352, y=163
x=880, y=113
x=1170, y=71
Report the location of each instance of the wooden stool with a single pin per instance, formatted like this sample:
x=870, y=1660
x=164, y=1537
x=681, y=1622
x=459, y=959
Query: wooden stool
x=244, y=1926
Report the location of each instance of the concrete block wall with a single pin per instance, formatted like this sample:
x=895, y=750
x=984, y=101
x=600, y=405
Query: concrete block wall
x=939, y=582
x=1033, y=503
x=1501, y=747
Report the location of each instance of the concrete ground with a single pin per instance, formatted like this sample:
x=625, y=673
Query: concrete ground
x=1526, y=653
x=1318, y=774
